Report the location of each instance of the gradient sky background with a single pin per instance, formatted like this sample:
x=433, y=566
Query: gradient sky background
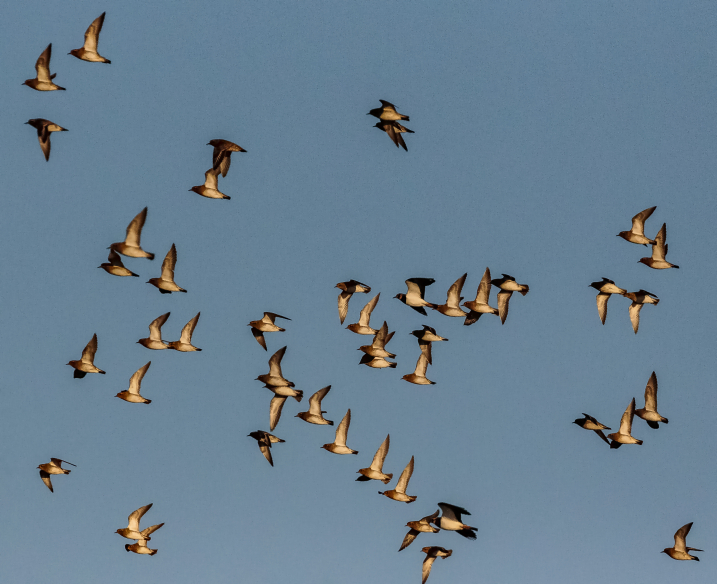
x=541, y=128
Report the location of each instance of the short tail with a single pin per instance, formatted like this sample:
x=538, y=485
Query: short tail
x=150, y=256
x=299, y=395
x=227, y=197
x=525, y=290
x=392, y=365
x=149, y=401
x=387, y=480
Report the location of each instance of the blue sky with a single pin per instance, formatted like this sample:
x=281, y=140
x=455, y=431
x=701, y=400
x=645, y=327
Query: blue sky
x=540, y=130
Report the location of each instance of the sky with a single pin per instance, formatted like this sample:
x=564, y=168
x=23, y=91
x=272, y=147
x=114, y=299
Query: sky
x=541, y=128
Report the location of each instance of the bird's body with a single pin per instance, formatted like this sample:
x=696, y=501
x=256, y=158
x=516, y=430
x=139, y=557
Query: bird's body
x=363, y=327
x=265, y=325
x=131, y=247
x=88, y=52
x=44, y=128
x=377, y=362
x=338, y=446
x=154, y=341
x=507, y=285
x=315, y=415
x=375, y=471
x=132, y=530
x=43, y=80
x=399, y=493
x=135, y=382
x=221, y=157
x=451, y=520
x=590, y=423
x=624, y=434
x=649, y=412
x=432, y=552
x=115, y=266
x=419, y=375
x=54, y=467
x=86, y=363
x=184, y=344
x=418, y=527
x=210, y=188
x=680, y=551
x=453, y=299
x=387, y=112
x=275, y=376
x=414, y=296
x=165, y=283
x=659, y=250
x=637, y=233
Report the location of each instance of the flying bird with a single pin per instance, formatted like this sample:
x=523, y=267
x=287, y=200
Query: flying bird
x=451, y=521
x=43, y=81
x=132, y=530
x=315, y=415
x=425, y=337
x=590, y=423
x=680, y=551
x=115, y=266
x=275, y=377
x=375, y=471
x=388, y=112
x=347, y=289
x=418, y=527
x=659, y=250
x=637, y=233
x=399, y=493
x=184, y=344
x=376, y=362
x=54, y=467
x=141, y=546
x=210, y=188
x=362, y=327
x=605, y=289
x=453, y=299
x=419, y=375
x=338, y=446
x=649, y=412
x=155, y=341
x=265, y=440
x=221, y=157
x=88, y=52
x=378, y=347
x=480, y=306
x=414, y=296
x=433, y=552
x=639, y=299
x=394, y=131
x=265, y=325
x=86, y=363
x=165, y=283
x=624, y=434
x=131, y=247
x=507, y=285
x=281, y=392
x=132, y=394
x=44, y=128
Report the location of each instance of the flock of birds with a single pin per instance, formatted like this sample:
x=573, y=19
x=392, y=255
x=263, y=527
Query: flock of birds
x=449, y=517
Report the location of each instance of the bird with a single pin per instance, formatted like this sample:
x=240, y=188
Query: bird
x=275, y=377
x=590, y=423
x=659, y=250
x=347, y=289
x=375, y=471
x=43, y=81
x=451, y=521
x=376, y=362
x=155, y=341
x=315, y=415
x=88, y=52
x=649, y=412
x=399, y=493
x=44, y=128
x=394, y=131
x=414, y=296
x=338, y=446
x=425, y=337
x=639, y=299
x=86, y=363
x=132, y=394
x=624, y=434
x=265, y=441
x=605, y=288
x=132, y=530
x=480, y=306
x=378, y=347
x=418, y=527
x=362, y=327
x=507, y=285
x=453, y=299
x=221, y=157
x=130, y=247
x=432, y=552
x=184, y=344
x=637, y=233
x=680, y=551
x=277, y=402
x=419, y=375
x=387, y=112
x=265, y=325
x=210, y=188
x=165, y=283
x=285, y=391
x=141, y=546
x=115, y=266
x=54, y=467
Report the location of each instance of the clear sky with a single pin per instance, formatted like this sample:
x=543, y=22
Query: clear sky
x=541, y=128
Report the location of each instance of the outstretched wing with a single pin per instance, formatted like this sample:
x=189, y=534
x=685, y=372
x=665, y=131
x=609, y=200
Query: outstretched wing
x=405, y=477
x=170, y=260
x=380, y=456
x=42, y=65
x=134, y=229
x=155, y=327
x=88, y=355
x=315, y=400
x=93, y=33
x=135, y=516
x=638, y=221
x=136, y=380
x=188, y=329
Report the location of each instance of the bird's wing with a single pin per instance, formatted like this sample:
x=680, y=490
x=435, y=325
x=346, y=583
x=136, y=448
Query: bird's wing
x=46, y=479
x=42, y=65
x=602, y=435
x=379, y=339
x=380, y=456
x=277, y=403
x=651, y=394
x=681, y=536
x=43, y=137
x=387, y=105
x=315, y=400
x=136, y=380
x=275, y=362
x=602, y=305
x=259, y=336
x=418, y=285
x=634, y=310
x=483, y=293
x=452, y=511
x=638, y=221
x=134, y=229
x=426, y=351
x=114, y=259
x=503, y=302
x=389, y=128
x=210, y=179
x=93, y=33
x=168, y=264
x=453, y=298
x=344, y=298
x=427, y=563
x=365, y=316
x=150, y=530
x=155, y=327
x=135, y=516
x=186, y=336
x=402, y=142
x=659, y=250
x=626, y=420
x=343, y=430
x=421, y=365
x=405, y=477
x=59, y=461
x=88, y=355
x=408, y=540
x=265, y=447
x=269, y=317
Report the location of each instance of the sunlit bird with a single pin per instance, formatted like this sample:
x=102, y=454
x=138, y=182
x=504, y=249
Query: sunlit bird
x=399, y=493
x=637, y=233
x=419, y=374
x=88, y=52
x=363, y=327
x=451, y=521
x=132, y=530
x=649, y=412
x=680, y=550
x=624, y=434
x=480, y=306
x=315, y=415
x=347, y=290
x=154, y=341
x=115, y=266
x=375, y=471
x=265, y=325
x=453, y=299
x=184, y=344
x=418, y=527
x=378, y=347
x=141, y=546
x=432, y=553
x=135, y=382
x=86, y=363
x=639, y=299
x=590, y=423
x=43, y=81
x=659, y=250
x=54, y=467
x=605, y=289
x=44, y=128
x=275, y=376
x=338, y=446
x=387, y=111
x=414, y=296
x=210, y=188
x=131, y=247
x=165, y=283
